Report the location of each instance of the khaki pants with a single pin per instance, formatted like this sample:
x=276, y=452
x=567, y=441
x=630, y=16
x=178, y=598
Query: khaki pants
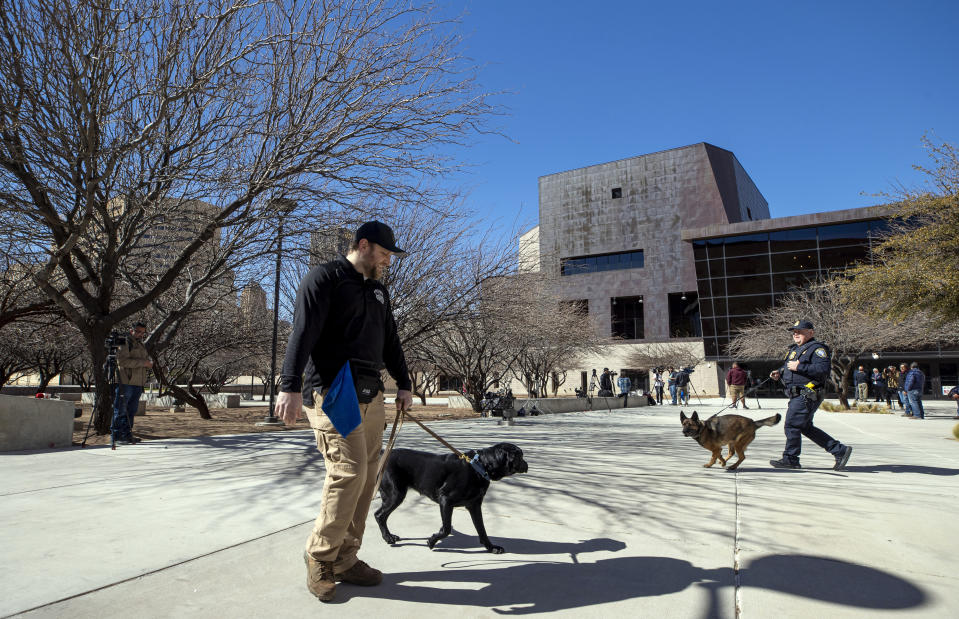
x=351, y=464
x=736, y=393
x=862, y=391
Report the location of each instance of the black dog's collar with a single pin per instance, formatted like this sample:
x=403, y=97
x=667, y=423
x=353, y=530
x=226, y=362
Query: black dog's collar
x=478, y=468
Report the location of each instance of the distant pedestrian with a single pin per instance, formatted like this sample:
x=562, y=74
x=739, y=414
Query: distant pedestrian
x=915, y=383
x=890, y=375
x=878, y=384
x=133, y=363
x=954, y=395
x=671, y=383
x=625, y=384
x=658, y=384
x=861, y=380
x=901, y=390
x=606, y=384
x=736, y=385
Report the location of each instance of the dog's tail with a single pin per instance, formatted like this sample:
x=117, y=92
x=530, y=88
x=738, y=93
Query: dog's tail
x=769, y=421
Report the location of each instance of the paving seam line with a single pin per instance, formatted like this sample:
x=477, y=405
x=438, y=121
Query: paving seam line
x=737, y=598
x=157, y=570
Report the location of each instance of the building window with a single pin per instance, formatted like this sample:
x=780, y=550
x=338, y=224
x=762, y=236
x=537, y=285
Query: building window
x=626, y=318
x=684, y=315
x=617, y=192
x=604, y=262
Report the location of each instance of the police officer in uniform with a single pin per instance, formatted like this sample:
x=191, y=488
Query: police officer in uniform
x=804, y=375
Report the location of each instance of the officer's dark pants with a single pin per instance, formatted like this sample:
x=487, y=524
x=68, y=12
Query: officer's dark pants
x=799, y=424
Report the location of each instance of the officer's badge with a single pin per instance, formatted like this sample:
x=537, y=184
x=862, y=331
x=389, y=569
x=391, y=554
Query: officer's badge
x=379, y=296
x=796, y=324
x=793, y=354
x=821, y=352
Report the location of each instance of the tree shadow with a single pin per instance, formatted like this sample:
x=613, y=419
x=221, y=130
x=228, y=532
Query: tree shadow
x=538, y=587
x=902, y=468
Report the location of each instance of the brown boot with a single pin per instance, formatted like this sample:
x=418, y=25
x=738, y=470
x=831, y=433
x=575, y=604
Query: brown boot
x=361, y=574
x=319, y=578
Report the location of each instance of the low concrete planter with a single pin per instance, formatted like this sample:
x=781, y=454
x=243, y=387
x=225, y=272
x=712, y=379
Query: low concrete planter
x=569, y=405
x=31, y=423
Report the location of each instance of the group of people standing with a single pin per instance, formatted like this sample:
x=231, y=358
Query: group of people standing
x=903, y=385
x=677, y=381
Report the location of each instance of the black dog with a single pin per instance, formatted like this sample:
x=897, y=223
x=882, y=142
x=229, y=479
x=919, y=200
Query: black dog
x=449, y=481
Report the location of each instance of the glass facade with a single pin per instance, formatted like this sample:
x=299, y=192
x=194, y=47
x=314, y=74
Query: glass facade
x=626, y=318
x=602, y=262
x=740, y=276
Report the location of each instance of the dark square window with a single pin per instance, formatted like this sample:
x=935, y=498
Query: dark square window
x=839, y=259
x=684, y=318
x=794, y=261
x=746, y=245
x=749, y=305
x=841, y=235
x=626, y=318
x=755, y=284
x=617, y=192
x=750, y=265
x=792, y=240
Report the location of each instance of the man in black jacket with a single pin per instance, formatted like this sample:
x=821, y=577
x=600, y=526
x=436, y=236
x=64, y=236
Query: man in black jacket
x=343, y=313
x=804, y=375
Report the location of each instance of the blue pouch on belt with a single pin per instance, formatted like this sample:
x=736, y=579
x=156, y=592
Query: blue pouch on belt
x=340, y=403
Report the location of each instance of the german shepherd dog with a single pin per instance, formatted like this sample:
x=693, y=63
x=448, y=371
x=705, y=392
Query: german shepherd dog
x=735, y=431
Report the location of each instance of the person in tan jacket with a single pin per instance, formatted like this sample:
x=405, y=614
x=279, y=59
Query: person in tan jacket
x=133, y=362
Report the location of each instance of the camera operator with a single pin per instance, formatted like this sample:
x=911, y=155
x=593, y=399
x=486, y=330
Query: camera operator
x=133, y=361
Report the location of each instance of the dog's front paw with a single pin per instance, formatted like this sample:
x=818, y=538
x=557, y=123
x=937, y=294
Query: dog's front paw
x=389, y=538
x=432, y=541
x=496, y=550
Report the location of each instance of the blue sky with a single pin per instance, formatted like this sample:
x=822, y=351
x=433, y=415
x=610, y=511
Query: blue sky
x=820, y=101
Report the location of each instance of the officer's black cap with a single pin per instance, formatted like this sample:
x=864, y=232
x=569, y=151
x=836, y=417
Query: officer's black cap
x=379, y=233
x=800, y=324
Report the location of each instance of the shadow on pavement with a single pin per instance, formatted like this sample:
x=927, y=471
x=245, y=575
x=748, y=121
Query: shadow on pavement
x=464, y=542
x=901, y=468
x=538, y=587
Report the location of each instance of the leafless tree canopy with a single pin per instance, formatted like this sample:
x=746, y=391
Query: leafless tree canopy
x=123, y=121
x=662, y=355
x=849, y=332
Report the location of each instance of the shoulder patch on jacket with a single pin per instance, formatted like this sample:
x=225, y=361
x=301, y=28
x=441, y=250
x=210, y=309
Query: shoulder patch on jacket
x=821, y=352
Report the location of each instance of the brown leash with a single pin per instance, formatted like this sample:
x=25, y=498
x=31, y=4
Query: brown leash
x=397, y=424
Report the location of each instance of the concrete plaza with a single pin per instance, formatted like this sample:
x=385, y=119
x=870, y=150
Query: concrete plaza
x=616, y=518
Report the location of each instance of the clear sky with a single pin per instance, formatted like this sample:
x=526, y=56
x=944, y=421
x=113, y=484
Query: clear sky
x=819, y=101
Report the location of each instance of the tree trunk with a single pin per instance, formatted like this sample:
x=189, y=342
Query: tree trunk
x=103, y=400
x=844, y=384
x=192, y=398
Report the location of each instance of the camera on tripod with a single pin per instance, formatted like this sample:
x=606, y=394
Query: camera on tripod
x=113, y=341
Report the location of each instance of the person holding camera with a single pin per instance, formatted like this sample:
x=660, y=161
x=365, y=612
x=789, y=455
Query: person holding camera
x=133, y=362
x=343, y=314
x=804, y=375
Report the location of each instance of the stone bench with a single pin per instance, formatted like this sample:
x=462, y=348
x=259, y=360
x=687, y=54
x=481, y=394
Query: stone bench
x=32, y=423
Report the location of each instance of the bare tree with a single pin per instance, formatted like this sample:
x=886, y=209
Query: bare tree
x=122, y=120
x=48, y=347
x=850, y=333
x=663, y=355
x=13, y=362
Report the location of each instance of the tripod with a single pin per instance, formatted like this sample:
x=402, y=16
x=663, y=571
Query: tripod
x=689, y=385
x=110, y=367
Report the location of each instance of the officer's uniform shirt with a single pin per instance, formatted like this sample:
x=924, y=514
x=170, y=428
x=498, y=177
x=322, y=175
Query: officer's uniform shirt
x=813, y=357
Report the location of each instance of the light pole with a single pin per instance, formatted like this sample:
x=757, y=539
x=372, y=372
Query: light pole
x=283, y=207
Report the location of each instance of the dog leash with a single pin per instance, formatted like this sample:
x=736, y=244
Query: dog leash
x=397, y=423
x=745, y=393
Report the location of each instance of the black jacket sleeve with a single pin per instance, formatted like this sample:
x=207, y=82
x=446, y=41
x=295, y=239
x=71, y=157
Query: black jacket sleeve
x=309, y=316
x=817, y=367
x=393, y=355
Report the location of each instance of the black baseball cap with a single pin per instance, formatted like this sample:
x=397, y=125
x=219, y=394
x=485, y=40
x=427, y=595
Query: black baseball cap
x=379, y=233
x=800, y=324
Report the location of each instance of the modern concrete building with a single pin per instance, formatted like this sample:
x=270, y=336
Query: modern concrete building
x=614, y=233
x=676, y=249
